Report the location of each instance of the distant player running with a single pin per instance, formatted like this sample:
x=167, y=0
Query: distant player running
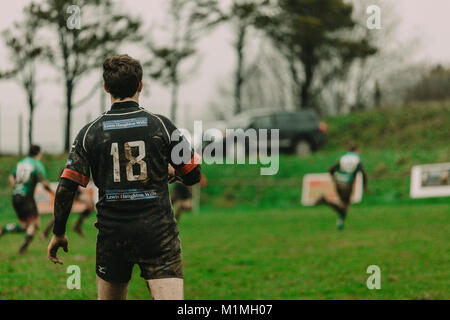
x=128, y=151
x=27, y=173
x=344, y=173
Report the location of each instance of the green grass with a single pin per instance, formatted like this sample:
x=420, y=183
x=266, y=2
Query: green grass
x=269, y=254
x=415, y=126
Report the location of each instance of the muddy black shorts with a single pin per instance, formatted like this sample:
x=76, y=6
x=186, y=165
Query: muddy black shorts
x=117, y=256
x=25, y=207
x=344, y=191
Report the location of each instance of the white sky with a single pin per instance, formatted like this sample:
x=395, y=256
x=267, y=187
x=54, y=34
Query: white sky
x=428, y=21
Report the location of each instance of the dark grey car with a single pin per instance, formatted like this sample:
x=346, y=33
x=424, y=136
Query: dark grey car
x=300, y=132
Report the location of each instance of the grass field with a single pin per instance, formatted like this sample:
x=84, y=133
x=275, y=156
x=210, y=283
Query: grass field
x=252, y=239
x=270, y=254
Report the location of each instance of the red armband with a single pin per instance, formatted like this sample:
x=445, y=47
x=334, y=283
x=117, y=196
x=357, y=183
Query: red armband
x=190, y=166
x=75, y=177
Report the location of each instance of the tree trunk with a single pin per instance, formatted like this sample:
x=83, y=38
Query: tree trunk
x=295, y=82
x=30, y=120
x=174, y=98
x=306, y=86
x=239, y=78
x=309, y=63
x=69, y=91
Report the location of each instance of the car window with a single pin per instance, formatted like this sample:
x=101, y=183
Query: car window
x=264, y=122
x=239, y=122
x=286, y=121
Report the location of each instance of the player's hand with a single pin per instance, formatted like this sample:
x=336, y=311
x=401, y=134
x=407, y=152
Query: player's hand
x=172, y=174
x=55, y=243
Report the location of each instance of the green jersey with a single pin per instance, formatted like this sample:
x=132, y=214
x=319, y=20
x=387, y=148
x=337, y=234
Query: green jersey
x=27, y=173
x=348, y=166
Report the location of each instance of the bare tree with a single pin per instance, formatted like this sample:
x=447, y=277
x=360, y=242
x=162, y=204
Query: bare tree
x=80, y=50
x=357, y=85
x=25, y=48
x=188, y=20
x=267, y=80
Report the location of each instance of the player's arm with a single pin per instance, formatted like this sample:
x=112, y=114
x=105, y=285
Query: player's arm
x=65, y=194
x=365, y=179
x=188, y=172
x=42, y=177
x=192, y=177
x=333, y=169
x=76, y=173
x=46, y=184
x=12, y=181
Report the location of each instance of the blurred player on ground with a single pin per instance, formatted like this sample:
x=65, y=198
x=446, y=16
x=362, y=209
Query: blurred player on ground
x=27, y=173
x=128, y=151
x=343, y=174
x=88, y=205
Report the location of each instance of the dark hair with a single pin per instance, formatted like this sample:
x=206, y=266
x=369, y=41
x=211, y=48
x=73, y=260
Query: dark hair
x=34, y=150
x=352, y=146
x=122, y=75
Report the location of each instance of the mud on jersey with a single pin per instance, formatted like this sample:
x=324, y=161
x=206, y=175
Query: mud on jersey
x=27, y=173
x=349, y=164
x=128, y=150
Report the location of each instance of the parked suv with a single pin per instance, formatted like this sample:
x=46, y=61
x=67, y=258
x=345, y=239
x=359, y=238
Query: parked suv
x=300, y=132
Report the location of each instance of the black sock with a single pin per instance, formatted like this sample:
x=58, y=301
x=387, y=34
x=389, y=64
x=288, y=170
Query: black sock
x=26, y=242
x=82, y=217
x=49, y=227
x=85, y=213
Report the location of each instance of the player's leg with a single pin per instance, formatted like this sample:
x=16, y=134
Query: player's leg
x=89, y=208
x=344, y=191
x=164, y=275
x=32, y=228
x=334, y=205
x=181, y=206
x=14, y=227
x=166, y=289
x=48, y=228
x=112, y=268
x=29, y=219
x=341, y=219
x=178, y=209
x=111, y=291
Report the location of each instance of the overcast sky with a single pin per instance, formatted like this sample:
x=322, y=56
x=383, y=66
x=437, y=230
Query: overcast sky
x=427, y=21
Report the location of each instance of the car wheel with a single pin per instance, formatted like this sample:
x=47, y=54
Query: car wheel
x=303, y=148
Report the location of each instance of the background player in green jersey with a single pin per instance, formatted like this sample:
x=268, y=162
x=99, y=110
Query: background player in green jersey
x=343, y=174
x=27, y=173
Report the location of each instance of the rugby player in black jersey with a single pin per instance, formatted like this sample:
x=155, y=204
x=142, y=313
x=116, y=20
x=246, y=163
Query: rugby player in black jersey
x=127, y=151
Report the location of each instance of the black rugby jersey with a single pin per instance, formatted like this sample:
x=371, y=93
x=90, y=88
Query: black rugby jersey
x=128, y=150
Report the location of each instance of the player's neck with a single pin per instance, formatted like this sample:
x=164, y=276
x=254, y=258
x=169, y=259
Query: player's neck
x=134, y=99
